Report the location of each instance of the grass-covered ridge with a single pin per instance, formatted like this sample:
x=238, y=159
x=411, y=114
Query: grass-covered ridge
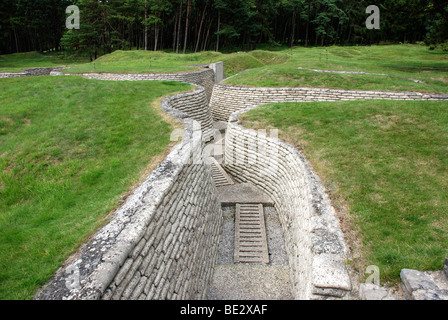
x=16, y=62
x=279, y=67
x=385, y=164
x=139, y=61
x=399, y=62
x=69, y=149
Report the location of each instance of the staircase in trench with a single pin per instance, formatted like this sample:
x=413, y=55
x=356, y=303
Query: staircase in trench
x=252, y=262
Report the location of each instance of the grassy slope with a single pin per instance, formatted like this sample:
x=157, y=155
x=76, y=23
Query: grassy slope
x=69, y=148
x=162, y=62
x=278, y=68
x=400, y=62
x=16, y=62
x=139, y=61
x=269, y=68
x=386, y=162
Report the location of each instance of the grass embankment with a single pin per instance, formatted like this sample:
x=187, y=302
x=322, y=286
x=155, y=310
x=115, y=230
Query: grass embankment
x=163, y=62
x=279, y=68
x=139, y=61
x=399, y=62
x=16, y=62
x=385, y=164
x=70, y=148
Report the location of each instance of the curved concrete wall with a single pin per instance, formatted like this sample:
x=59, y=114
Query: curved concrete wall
x=311, y=230
x=204, y=78
x=163, y=242
x=195, y=105
x=30, y=72
x=228, y=99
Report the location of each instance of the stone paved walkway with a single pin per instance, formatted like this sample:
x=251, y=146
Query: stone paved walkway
x=268, y=280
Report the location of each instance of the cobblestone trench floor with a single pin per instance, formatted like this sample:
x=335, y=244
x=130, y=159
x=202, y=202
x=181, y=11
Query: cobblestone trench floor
x=250, y=281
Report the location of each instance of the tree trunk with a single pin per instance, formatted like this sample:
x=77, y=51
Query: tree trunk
x=349, y=35
x=308, y=24
x=217, y=37
x=175, y=31
x=204, y=46
x=291, y=42
x=284, y=32
x=156, y=36
x=200, y=28
x=178, y=27
x=146, y=27
x=186, y=25
x=17, y=44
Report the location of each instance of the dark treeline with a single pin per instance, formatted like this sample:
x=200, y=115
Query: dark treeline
x=198, y=25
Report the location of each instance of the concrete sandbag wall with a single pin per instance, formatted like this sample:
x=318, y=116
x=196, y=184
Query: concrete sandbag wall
x=228, y=99
x=163, y=242
x=314, y=241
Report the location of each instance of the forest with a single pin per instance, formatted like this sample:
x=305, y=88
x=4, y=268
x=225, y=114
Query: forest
x=222, y=25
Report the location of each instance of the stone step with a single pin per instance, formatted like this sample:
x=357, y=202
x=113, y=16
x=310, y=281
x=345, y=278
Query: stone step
x=250, y=234
x=220, y=177
x=418, y=285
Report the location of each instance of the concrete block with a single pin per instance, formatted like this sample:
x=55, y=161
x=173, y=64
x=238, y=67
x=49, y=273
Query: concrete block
x=414, y=280
x=370, y=291
x=445, y=267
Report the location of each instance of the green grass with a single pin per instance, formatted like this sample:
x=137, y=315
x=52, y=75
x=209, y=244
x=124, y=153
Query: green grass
x=16, y=62
x=386, y=162
x=400, y=62
x=277, y=68
x=69, y=149
x=139, y=61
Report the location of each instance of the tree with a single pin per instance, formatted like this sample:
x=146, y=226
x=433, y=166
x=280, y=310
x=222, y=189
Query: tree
x=108, y=25
x=437, y=11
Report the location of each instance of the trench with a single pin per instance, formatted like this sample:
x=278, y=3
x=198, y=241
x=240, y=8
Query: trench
x=252, y=262
x=258, y=234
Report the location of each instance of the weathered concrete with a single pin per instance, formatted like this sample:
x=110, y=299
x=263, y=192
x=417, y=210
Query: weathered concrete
x=251, y=282
x=218, y=69
x=314, y=240
x=243, y=193
x=227, y=99
x=418, y=285
x=445, y=267
x=163, y=242
x=251, y=245
x=370, y=291
x=31, y=72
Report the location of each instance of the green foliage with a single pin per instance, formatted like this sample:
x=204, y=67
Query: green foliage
x=430, y=67
x=438, y=26
x=204, y=25
x=28, y=25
